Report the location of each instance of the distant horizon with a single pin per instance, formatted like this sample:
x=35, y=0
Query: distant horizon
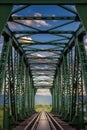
x=43, y=99
x=39, y=99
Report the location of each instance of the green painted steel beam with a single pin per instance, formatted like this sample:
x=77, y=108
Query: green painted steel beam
x=42, y=69
x=60, y=44
x=43, y=2
x=53, y=44
x=4, y=15
x=4, y=58
x=43, y=50
x=34, y=58
x=76, y=18
x=82, y=14
x=47, y=63
x=47, y=80
x=43, y=32
x=43, y=87
x=35, y=75
x=47, y=70
x=71, y=42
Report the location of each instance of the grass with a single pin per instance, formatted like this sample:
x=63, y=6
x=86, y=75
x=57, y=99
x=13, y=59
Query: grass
x=1, y=116
x=40, y=108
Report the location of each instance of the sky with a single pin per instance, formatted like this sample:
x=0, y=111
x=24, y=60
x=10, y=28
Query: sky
x=43, y=92
x=41, y=10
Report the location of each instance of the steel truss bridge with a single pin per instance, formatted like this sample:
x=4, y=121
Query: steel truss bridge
x=59, y=63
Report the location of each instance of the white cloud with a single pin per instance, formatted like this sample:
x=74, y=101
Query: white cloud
x=45, y=92
x=38, y=14
x=25, y=39
x=38, y=55
x=33, y=22
x=41, y=23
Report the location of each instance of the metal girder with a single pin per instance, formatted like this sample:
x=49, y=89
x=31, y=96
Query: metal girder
x=41, y=71
x=46, y=63
x=34, y=69
x=41, y=87
x=77, y=92
x=6, y=114
x=43, y=32
x=76, y=18
x=70, y=83
x=45, y=58
x=9, y=93
x=18, y=87
x=16, y=83
x=71, y=42
x=43, y=2
x=81, y=12
x=60, y=44
x=3, y=59
x=39, y=80
x=4, y=15
x=36, y=50
x=27, y=90
x=11, y=82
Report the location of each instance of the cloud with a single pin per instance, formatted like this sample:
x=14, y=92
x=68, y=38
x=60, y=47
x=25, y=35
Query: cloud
x=40, y=22
x=38, y=55
x=38, y=14
x=45, y=92
x=25, y=39
x=34, y=22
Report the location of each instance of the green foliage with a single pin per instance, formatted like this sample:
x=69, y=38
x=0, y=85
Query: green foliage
x=1, y=116
x=40, y=108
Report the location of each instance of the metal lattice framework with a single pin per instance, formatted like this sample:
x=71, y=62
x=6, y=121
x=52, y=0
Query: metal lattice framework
x=43, y=51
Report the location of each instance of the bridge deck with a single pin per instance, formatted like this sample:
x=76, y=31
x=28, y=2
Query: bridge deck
x=43, y=123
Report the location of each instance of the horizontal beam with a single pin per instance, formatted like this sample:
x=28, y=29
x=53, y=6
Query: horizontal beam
x=43, y=71
x=42, y=65
x=35, y=50
x=41, y=58
x=43, y=32
x=43, y=87
x=34, y=63
x=76, y=18
x=34, y=69
x=40, y=80
x=43, y=2
x=60, y=44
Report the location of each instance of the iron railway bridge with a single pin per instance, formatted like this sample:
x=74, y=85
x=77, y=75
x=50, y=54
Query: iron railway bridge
x=43, y=51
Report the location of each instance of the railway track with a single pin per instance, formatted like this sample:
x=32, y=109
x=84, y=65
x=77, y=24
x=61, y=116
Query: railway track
x=45, y=121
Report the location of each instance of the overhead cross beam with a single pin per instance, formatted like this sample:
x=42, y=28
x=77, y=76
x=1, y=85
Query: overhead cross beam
x=43, y=32
x=43, y=2
x=76, y=18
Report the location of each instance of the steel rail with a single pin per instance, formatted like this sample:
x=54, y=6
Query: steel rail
x=32, y=122
x=52, y=122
